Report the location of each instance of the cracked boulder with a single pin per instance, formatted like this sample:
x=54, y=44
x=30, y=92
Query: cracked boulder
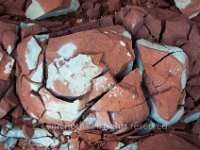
x=189, y=8
x=164, y=70
x=61, y=82
x=40, y=9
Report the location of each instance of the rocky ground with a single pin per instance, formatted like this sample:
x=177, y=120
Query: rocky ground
x=99, y=74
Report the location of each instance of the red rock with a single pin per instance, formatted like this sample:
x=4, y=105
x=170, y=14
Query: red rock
x=196, y=127
x=24, y=52
x=6, y=65
x=55, y=8
x=32, y=29
x=132, y=18
x=189, y=8
x=14, y=7
x=27, y=131
x=3, y=122
x=65, y=92
x=100, y=85
x=161, y=3
x=2, y=145
x=4, y=85
x=164, y=74
x=8, y=102
x=112, y=145
x=7, y=27
x=165, y=142
x=189, y=103
x=126, y=98
x=113, y=5
x=17, y=112
x=87, y=5
x=106, y=21
x=33, y=100
x=9, y=40
x=73, y=144
x=111, y=53
x=24, y=120
x=188, y=137
x=194, y=92
x=93, y=13
x=10, y=97
x=4, y=108
x=115, y=32
x=85, y=27
x=1, y=9
x=170, y=31
x=192, y=115
x=90, y=137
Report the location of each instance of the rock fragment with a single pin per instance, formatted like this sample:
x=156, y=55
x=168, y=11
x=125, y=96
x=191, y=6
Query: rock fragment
x=166, y=141
x=40, y=9
x=126, y=98
x=189, y=8
x=165, y=71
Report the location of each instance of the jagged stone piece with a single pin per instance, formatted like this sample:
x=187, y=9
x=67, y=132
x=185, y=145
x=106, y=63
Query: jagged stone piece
x=40, y=9
x=165, y=71
x=6, y=65
x=110, y=112
x=58, y=83
x=190, y=8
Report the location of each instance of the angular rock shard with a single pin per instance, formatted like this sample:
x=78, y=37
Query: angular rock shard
x=40, y=9
x=6, y=65
x=190, y=8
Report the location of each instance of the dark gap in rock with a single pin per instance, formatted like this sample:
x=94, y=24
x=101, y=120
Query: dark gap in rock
x=90, y=104
x=119, y=77
x=153, y=37
x=69, y=99
x=103, y=73
x=38, y=95
x=163, y=26
x=45, y=74
x=134, y=47
x=162, y=59
x=190, y=30
x=110, y=117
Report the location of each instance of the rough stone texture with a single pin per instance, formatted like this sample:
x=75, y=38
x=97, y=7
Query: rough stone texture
x=110, y=110
x=166, y=141
x=165, y=71
x=77, y=70
x=40, y=9
x=126, y=98
x=189, y=8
